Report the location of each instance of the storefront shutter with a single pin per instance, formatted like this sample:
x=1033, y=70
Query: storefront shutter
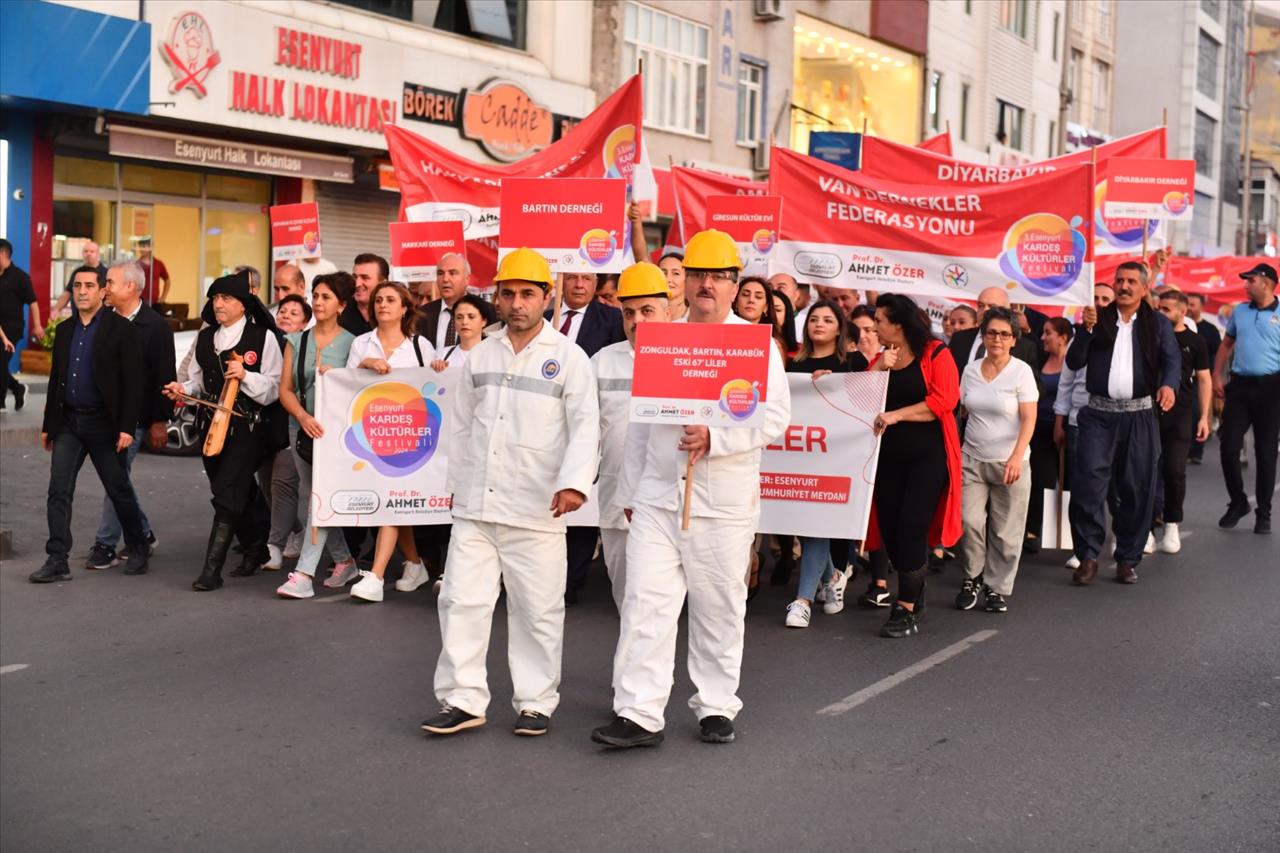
x=353, y=219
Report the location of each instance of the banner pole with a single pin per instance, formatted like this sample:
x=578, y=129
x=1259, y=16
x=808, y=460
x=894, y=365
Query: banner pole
x=864, y=125
x=688, y=494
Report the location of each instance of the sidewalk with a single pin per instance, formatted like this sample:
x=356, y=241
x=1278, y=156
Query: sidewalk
x=24, y=426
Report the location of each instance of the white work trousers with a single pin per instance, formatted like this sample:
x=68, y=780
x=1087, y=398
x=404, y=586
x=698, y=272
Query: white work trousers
x=614, y=542
x=530, y=564
x=664, y=563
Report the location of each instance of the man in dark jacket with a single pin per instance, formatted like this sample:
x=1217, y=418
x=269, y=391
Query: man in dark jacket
x=125, y=284
x=95, y=392
x=436, y=322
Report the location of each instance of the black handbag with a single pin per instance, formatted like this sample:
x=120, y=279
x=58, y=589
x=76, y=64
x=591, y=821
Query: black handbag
x=304, y=444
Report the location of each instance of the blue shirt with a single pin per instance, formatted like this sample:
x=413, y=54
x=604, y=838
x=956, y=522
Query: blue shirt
x=1256, y=332
x=82, y=391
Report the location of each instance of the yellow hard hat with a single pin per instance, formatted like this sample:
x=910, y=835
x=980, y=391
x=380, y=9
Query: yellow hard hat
x=524, y=265
x=642, y=279
x=712, y=250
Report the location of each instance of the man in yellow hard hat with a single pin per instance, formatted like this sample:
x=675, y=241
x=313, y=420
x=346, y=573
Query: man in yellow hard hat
x=523, y=429
x=707, y=563
x=643, y=294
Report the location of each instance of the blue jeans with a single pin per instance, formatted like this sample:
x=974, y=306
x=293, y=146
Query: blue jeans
x=815, y=566
x=331, y=537
x=109, y=530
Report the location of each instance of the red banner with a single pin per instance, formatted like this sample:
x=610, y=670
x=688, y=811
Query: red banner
x=438, y=184
x=693, y=187
x=578, y=224
x=416, y=248
x=754, y=222
x=1150, y=188
x=295, y=231
x=1218, y=279
x=912, y=165
x=940, y=144
x=849, y=229
x=701, y=373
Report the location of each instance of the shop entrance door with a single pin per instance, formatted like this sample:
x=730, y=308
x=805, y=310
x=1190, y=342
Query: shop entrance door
x=165, y=239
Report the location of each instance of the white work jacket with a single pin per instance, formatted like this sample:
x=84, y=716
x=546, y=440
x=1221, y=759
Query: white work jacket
x=613, y=366
x=525, y=425
x=726, y=482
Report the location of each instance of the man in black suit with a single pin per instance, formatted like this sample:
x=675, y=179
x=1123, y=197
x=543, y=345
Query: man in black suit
x=592, y=326
x=436, y=322
x=966, y=345
x=125, y=284
x=95, y=393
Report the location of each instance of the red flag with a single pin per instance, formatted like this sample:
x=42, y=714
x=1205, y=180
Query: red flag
x=848, y=229
x=693, y=186
x=940, y=144
x=436, y=183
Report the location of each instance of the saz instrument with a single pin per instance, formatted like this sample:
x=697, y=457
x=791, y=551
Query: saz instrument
x=221, y=422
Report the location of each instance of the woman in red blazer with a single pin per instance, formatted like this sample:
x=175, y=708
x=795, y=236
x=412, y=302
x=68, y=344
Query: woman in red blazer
x=917, y=493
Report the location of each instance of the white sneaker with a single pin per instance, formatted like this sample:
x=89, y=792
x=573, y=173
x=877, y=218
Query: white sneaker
x=1171, y=542
x=293, y=547
x=1150, y=547
x=834, y=602
x=821, y=596
x=275, y=560
x=297, y=586
x=415, y=575
x=798, y=614
x=342, y=574
x=435, y=587
x=369, y=588
x=1073, y=562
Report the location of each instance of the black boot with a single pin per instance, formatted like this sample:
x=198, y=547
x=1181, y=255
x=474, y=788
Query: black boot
x=255, y=554
x=215, y=555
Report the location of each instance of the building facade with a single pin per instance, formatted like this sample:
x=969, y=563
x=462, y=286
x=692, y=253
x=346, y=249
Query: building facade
x=1088, y=75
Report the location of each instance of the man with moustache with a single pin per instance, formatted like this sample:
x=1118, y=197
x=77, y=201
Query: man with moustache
x=1132, y=365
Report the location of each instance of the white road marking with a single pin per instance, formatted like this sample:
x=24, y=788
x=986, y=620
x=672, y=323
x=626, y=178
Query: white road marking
x=13, y=667
x=887, y=683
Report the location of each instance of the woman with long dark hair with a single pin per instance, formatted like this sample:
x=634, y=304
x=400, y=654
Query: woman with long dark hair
x=1056, y=337
x=916, y=502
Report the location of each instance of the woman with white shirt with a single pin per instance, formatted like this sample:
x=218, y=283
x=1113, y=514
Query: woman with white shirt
x=391, y=344
x=1000, y=395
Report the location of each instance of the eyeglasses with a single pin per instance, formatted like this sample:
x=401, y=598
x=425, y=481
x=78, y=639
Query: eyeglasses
x=998, y=333
x=717, y=276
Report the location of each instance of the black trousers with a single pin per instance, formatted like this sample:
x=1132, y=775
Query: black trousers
x=236, y=498
x=10, y=381
x=1044, y=473
x=1177, y=429
x=1251, y=402
x=1119, y=455
x=88, y=435
x=909, y=483
x=580, y=547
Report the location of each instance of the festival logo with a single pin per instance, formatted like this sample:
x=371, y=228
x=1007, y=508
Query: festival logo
x=763, y=241
x=598, y=246
x=739, y=398
x=311, y=241
x=1176, y=202
x=394, y=427
x=188, y=50
x=620, y=153
x=1120, y=233
x=1043, y=253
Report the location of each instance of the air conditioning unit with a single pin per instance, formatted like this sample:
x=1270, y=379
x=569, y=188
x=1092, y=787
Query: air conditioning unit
x=760, y=156
x=766, y=10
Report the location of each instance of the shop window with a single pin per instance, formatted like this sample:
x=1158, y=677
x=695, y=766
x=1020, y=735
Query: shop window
x=233, y=238
x=1207, y=66
x=964, y=112
x=1013, y=16
x=238, y=188
x=83, y=172
x=844, y=81
x=150, y=179
x=935, y=100
x=1206, y=132
x=1009, y=124
x=676, y=55
x=750, y=102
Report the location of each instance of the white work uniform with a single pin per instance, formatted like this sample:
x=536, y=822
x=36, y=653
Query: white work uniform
x=613, y=366
x=708, y=562
x=523, y=427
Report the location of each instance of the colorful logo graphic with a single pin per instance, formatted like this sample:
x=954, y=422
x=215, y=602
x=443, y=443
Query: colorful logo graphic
x=954, y=275
x=1125, y=233
x=311, y=241
x=550, y=369
x=739, y=398
x=620, y=153
x=763, y=241
x=1176, y=202
x=188, y=49
x=394, y=427
x=597, y=246
x=1044, y=253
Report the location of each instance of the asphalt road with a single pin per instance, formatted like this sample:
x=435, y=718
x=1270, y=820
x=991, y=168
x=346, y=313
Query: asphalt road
x=138, y=715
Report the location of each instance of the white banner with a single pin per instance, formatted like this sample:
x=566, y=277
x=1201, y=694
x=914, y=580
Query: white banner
x=382, y=459
x=818, y=478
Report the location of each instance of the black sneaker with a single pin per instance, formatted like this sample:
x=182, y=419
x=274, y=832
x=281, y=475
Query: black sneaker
x=136, y=564
x=875, y=596
x=937, y=562
x=20, y=396
x=716, y=729
x=623, y=734
x=967, y=598
x=993, y=602
x=531, y=724
x=101, y=557
x=152, y=543
x=53, y=571
x=1262, y=524
x=902, y=623
x=449, y=720
x=1234, y=513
